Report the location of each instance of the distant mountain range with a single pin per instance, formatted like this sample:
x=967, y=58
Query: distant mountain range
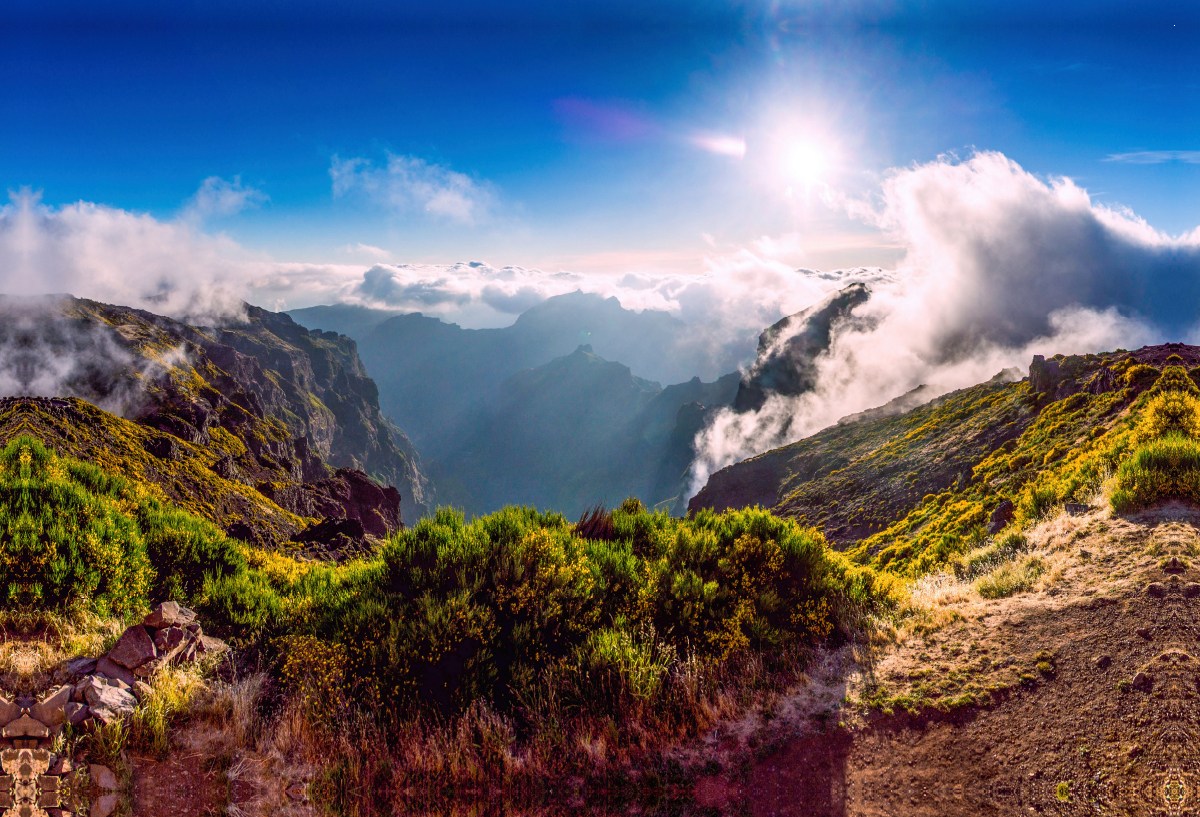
x=564, y=408
x=488, y=408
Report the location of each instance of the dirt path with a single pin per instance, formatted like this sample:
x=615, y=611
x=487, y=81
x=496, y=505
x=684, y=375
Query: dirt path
x=1066, y=725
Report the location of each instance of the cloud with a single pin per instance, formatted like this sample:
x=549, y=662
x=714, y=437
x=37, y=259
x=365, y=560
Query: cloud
x=113, y=255
x=377, y=253
x=724, y=145
x=220, y=198
x=410, y=185
x=1155, y=157
x=1000, y=265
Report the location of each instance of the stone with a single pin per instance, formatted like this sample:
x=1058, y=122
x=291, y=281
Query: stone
x=1076, y=508
x=104, y=805
x=51, y=710
x=60, y=767
x=1191, y=590
x=103, y=777
x=134, y=648
x=1156, y=590
x=168, y=638
x=1143, y=681
x=1001, y=517
x=1102, y=661
x=209, y=645
x=195, y=629
x=26, y=727
x=108, y=704
x=114, y=671
x=9, y=711
x=142, y=691
x=1084, y=553
x=1144, y=632
x=168, y=613
x=76, y=713
x=69, y=671
x=1134, y=751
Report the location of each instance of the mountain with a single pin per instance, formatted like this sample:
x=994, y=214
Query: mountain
x=787, y=350
x=894, y=488
x=432, y=374
x=259, y=425
x=574, y=432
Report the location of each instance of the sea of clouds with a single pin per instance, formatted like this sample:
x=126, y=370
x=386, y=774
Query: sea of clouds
x=1001, y=264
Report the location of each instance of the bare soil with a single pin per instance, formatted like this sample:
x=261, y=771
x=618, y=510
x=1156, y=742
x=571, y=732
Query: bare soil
x=1063, y=728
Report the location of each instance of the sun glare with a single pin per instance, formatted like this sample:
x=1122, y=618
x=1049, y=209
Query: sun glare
x=808, y=161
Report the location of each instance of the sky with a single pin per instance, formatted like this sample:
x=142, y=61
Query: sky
x=595, y=138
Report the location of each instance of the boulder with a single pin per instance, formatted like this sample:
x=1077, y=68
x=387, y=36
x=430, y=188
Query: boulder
x=169, y=613
x=208, y=644
x=109, y=704
x=60, y=767
x=167, y=639
x=115, y=672
x=141, y=690
x=1001, y=517
x=103, y=777
x=9, y=711
x=26, y=727
x=105, y=804
x=134, y=648
x=76, y=713
x=52, y=709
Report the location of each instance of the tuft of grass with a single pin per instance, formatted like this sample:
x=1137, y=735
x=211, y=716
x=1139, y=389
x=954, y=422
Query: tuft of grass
x=1011, y=578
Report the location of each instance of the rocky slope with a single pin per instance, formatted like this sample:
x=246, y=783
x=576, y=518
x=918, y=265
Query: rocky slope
x=894, y=483
x=259, y=425
x=1072, y=697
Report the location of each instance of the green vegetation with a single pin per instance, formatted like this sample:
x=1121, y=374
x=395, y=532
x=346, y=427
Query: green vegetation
x=510, y=604
x=1065, y=454
x=75, y=535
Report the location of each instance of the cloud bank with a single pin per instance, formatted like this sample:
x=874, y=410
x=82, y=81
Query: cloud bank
x=1000, y=265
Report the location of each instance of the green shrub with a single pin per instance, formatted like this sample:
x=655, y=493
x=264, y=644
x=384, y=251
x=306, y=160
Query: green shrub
x=1011, y=578
x=450, y=612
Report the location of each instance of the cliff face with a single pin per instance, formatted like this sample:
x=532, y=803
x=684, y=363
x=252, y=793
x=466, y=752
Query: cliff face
x=285, y=391
x=263, y=402
x=787, y=350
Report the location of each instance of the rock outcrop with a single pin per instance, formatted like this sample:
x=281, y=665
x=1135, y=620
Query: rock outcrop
x=788, y=349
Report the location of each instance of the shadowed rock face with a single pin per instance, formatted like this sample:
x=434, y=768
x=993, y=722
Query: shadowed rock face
x=787, y=350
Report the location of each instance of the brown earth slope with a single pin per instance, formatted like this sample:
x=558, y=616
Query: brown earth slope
x=1083, y=695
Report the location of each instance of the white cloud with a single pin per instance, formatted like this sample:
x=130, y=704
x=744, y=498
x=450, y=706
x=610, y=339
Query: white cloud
x=409, y=184
x=377, y=253
x=734, y=146
x=1000, y=265
x=220, y=198
x=1155, y=157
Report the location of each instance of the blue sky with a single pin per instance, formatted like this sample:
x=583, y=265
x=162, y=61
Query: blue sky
x=603, y=137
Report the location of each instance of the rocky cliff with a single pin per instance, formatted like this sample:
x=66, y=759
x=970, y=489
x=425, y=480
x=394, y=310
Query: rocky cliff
x=287, y=413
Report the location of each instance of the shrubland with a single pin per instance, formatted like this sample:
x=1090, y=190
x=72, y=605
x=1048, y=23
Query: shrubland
x=516, y=647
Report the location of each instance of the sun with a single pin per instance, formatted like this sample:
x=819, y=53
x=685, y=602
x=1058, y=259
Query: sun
x=808, y=161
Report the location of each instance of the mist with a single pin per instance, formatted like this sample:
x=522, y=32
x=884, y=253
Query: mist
x=1000, y=265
